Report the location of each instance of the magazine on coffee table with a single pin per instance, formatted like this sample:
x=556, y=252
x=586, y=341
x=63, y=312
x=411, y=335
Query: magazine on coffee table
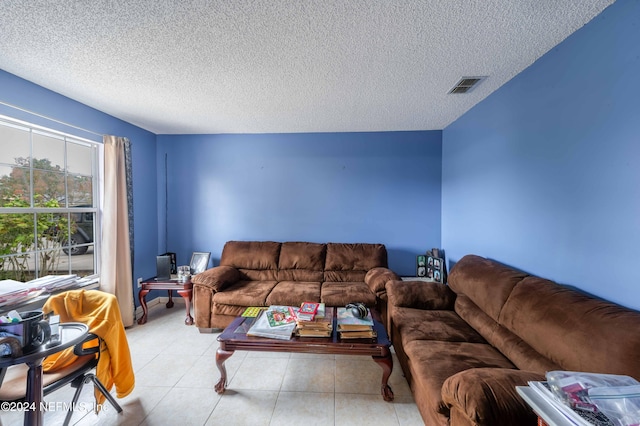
x=280, y=316
x=262, y=326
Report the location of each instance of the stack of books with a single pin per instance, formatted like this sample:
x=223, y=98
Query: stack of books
x=276, y=322
x=308, y=311
x=320, y=326
x=350, y=327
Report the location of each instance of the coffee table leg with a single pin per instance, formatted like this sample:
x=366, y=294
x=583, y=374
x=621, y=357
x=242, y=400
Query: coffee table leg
x=221, y=357
x=170, y=302
x=186, y=295
x=386, y=363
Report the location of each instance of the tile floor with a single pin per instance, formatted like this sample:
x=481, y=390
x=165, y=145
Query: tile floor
x=175, y=374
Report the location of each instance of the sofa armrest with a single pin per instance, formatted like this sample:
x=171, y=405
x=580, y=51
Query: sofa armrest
x=488, y=396
x=217, y=278
x=420, y=295
x=377, y=278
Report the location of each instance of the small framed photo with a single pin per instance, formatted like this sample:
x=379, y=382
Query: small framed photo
x=421, y=263
x=199, y=262
x=435, y=268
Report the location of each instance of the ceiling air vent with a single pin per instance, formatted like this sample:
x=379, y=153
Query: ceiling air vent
x=466, y=84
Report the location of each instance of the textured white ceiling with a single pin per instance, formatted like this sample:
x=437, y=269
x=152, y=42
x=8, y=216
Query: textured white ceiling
x=267, y=66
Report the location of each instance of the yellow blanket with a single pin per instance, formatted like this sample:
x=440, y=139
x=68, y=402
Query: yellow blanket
x=99, y=311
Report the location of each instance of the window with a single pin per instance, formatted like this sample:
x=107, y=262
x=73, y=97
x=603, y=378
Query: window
x=49, y=214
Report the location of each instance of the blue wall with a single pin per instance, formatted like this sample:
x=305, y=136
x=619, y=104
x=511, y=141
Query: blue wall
x=544, y=174
x=338, y=187
x=23, y=94
x=350, y=187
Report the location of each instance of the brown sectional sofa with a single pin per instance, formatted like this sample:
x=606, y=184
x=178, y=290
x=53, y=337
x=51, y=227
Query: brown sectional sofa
x=263, y=273
x=465, y=346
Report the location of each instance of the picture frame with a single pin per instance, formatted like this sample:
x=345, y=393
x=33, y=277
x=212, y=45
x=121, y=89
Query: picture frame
x=199, y=262
x=435, y=266
x=421, y=263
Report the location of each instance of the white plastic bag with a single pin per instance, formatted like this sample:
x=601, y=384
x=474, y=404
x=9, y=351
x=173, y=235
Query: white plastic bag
x=621, y=404
x=616, y=396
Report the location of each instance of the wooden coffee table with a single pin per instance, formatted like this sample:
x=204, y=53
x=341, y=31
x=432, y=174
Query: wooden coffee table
x=234, y=338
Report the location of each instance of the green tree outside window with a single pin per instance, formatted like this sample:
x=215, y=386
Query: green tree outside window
x=24, y=234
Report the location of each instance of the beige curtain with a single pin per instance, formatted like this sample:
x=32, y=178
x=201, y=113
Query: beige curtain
x=115, y=273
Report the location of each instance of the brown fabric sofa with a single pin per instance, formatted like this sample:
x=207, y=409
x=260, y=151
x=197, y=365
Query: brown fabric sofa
x=263, y=273
x=465, y=346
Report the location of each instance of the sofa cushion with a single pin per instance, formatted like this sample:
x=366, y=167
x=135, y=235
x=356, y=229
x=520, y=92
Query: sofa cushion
x=576, y=331
x=245, y=293
x=291, y=293
x=420, y=295
x=512, y=346
x=487, y=283
x=256, y=260
x=300, y=261
x=432, y=362
x=488, y=396
x=228, y=312
x=351, y=262
x=446, y=326
x=341, y=293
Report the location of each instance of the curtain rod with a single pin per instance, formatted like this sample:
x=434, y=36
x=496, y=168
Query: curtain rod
x=51, y=119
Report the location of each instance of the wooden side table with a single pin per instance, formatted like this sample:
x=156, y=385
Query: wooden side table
x=184, y=289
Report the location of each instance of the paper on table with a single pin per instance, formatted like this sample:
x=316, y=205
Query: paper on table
x=12, y=286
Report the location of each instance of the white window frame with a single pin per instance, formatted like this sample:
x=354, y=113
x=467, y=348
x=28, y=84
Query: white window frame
x=97, y=187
